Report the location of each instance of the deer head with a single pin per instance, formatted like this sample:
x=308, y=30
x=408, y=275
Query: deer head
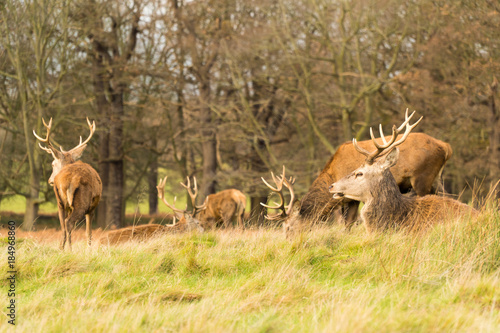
x=61, y=157
x=182, y=214
x=361, y=183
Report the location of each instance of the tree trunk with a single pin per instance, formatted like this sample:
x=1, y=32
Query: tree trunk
x=32, y=204
x=257, y=211
x=32, y=200
x=209, y=144
x=494, y=140
x=152, y=181
x=209, y=163
x=102, y=220
x=114, y=203
x=102, y=105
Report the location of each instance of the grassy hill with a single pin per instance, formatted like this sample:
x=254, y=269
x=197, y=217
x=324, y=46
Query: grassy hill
x=327, y=280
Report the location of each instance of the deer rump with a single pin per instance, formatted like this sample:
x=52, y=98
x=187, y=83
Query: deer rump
x=421, y=162
x=78, y=185
x=223, y=207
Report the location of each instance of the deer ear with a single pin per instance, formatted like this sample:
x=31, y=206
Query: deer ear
x=76, y=153
x=57, y=154
x=390, y=159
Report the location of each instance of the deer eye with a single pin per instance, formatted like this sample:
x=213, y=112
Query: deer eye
x=358, y=174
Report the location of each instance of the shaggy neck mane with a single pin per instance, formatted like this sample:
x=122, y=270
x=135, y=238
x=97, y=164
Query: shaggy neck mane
x=385, y=197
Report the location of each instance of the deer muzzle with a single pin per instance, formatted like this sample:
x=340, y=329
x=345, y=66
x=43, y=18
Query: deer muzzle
x=337, y=193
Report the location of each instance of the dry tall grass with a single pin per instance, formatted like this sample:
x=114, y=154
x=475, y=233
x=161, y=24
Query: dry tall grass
x=326, y=280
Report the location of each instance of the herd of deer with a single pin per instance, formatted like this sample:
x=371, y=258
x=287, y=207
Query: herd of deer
x=365, y=171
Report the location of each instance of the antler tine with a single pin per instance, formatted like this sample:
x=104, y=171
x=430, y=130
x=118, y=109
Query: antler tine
x=281, y=205
x=280, y=181
x=278, y=189
x=161, y=195
x=359, y=149
x=288, y=184
x=382, y=136
x=92, y=130
x=407, y=120
x=45, y=140
x=193, y=194
x=387, y=146
x=407, y=132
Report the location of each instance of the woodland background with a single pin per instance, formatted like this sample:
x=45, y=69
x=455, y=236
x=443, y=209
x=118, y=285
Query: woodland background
x=229, y=90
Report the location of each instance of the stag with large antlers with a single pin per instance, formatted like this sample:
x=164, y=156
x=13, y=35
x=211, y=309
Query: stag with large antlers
x=186, y=220
x=77, y=185
x=375, y=186
x=424, y=158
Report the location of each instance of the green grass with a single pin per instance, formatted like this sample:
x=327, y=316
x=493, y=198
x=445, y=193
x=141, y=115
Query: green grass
x=328, y=280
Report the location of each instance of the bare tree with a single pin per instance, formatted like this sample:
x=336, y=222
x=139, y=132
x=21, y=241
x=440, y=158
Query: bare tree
x=111, y=29
x=34, y=43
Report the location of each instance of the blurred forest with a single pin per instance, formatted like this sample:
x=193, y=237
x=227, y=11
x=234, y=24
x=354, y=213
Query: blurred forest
x=229, y=90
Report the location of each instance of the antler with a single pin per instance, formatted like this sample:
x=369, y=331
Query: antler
x=49, y=149
x=161, y=195
x=280, y=181
x=387, y=146
x=92, y=130
x=194, y=194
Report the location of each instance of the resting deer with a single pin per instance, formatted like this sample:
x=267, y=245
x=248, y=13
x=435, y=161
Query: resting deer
x=375, y=186
x=77, y=185
x=187, y=222
x=424, y=158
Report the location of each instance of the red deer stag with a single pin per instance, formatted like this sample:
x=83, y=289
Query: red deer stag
x=77, y=185
x=384, y=205
x=187, y=222
x=424, y=158
x=288, y=212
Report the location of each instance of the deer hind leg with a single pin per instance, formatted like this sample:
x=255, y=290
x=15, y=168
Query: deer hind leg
x=71, y=220
x=63, y=228
x=239, y=219
x=422, y=185
x=88, y=219
x=62, y=218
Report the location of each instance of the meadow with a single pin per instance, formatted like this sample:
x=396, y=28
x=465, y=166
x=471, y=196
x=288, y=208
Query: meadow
x=325, y=280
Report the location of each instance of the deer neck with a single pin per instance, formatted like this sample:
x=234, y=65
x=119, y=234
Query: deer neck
x=386, y=206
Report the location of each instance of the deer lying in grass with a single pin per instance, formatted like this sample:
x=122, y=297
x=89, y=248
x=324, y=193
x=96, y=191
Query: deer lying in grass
x=424, y=158
x=384, y=205
x=187, y=222
x=77, y=185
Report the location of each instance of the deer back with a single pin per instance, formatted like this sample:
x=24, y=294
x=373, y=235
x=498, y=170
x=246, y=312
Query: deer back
x=224, y=203
x=140, y=232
